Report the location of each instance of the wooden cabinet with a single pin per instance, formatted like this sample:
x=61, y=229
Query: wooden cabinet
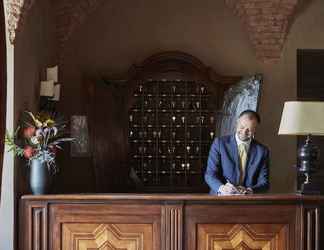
x=170, y=222
x=151, y=129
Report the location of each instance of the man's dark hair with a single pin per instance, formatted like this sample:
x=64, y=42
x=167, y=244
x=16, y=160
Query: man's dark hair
x=251, y=114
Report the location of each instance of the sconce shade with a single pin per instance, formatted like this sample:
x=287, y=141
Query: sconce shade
x=57, y=92
x=302, y=118
x=52, y=73
x=47, y=88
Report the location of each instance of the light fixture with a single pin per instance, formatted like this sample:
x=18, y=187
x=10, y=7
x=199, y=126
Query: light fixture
x=304, y=118
x=50, y=90
x=47, y=88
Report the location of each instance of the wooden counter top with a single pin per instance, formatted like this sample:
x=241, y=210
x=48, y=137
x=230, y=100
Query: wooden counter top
x=175, y=197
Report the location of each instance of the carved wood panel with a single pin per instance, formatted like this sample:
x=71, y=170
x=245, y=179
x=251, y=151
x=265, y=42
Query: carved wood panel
x=112, y=227
x=81, y=236
x=241, y=227
x=242, y=237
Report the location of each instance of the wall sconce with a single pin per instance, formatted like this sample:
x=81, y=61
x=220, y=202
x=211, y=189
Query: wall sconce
x=79, y=131
x=52, y=73
x=50, y=90
x=47, y=88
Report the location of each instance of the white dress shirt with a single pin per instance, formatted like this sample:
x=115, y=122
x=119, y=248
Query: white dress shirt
x=246, y=143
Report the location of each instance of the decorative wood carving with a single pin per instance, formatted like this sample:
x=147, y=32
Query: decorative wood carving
x=173, y=223
x=242, y=237
x=101, y=226
x=235, y=227
x=107, y=236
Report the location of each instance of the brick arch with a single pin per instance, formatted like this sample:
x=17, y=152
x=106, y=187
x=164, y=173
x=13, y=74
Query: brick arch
x=70, y=15
x=267, y=24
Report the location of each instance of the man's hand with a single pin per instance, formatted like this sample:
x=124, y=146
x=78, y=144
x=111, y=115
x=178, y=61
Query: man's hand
x=244, y=190
x=228, y=189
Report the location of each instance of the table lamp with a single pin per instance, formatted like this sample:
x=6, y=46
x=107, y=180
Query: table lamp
x=304, y=118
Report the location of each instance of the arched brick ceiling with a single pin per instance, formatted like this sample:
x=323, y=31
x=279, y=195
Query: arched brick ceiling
x=70, y=15
x=266, y=21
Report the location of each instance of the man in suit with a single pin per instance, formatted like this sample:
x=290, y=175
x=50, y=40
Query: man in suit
x=237, y=163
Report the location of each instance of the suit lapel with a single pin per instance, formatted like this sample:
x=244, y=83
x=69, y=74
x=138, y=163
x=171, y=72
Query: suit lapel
x=235, y=155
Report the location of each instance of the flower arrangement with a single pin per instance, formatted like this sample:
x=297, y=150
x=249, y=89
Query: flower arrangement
x=39, y=137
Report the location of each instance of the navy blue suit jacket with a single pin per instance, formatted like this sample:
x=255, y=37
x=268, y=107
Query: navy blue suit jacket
x=223, y=165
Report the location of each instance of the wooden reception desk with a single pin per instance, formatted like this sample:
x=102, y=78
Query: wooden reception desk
x=170, y=222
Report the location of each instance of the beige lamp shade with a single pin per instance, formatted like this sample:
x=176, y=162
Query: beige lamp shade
x=302, y=118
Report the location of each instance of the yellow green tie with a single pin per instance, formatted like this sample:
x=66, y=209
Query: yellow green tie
x=243, y=157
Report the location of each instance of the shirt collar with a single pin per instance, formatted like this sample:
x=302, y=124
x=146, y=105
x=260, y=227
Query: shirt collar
x=239, y=142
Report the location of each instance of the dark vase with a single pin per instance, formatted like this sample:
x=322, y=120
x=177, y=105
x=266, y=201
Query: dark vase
x=39, y=177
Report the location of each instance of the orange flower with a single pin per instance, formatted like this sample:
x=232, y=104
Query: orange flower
x=29, y=132
x=28, y=152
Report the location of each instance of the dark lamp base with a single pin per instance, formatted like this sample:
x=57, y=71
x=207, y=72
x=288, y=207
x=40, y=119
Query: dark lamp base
x=310, y=188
